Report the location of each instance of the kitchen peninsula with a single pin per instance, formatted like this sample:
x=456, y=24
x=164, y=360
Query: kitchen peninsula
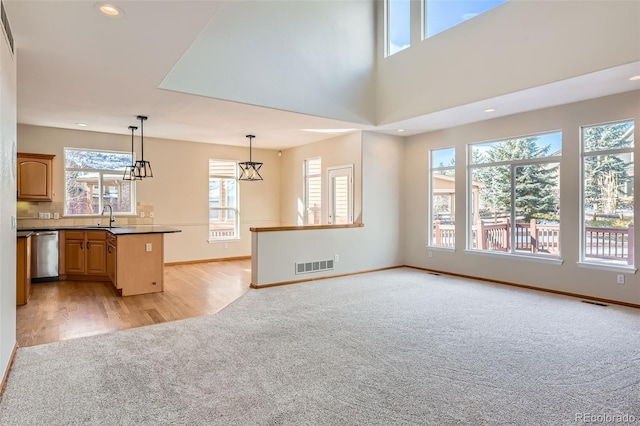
x=130, y=257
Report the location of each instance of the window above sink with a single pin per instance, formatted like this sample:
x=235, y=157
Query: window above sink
x=94, y=179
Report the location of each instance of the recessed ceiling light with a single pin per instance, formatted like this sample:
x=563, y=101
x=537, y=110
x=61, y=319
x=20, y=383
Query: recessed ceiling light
x=489, y=110
x=110, y=10
x=400, y=130
x=328, y=130
x=635, y=78
x=81, y=124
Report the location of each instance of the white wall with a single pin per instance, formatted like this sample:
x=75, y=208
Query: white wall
x=376, y=245
x=313, y=57
x=516, y=46
x=179, y=189
x=382, y=199
x=275, y=253
x=337, y=151
x=568, y=277
x=7, y=204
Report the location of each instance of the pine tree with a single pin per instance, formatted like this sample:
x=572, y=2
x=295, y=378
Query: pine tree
x=606, y=175
x=534, y=183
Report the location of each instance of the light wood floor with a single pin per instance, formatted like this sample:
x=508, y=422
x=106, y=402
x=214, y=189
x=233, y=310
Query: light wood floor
x=69, y=309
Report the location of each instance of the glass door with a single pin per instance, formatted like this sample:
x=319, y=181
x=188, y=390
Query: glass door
x=340, y=195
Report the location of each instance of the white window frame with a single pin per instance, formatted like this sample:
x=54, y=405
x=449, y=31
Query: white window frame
x=513, y=165
x=387, y=29
x=430, y=217
x=424, y=18
x=307, y=208
x=101, y=173
x=591, y=262
x=236, y=209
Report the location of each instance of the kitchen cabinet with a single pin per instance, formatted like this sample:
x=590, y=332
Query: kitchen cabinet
x=131, y=259
x=112, y=259
x=138, y=263
x=35, y=177
x=85, y=254
x=96, y=253
x=74, y=252
x=23, y=270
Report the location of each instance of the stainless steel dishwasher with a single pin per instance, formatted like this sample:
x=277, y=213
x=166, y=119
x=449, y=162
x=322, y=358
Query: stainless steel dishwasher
x=44, y=256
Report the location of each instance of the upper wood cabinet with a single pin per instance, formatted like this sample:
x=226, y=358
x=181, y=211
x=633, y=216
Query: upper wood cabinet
x=35, y=177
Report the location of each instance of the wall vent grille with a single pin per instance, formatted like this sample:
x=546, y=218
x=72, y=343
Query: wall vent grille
x=315, y=266
x=5, y=25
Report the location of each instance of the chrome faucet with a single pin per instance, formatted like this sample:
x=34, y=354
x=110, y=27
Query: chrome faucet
x=111, y=219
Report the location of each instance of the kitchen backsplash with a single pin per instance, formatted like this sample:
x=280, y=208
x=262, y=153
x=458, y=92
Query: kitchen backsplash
x=29, y=214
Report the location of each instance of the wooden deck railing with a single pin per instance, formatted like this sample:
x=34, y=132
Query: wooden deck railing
x=534, y=237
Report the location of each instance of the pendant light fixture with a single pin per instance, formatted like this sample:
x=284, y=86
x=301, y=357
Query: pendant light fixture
x=250, y=170
x=143, y=168
x=130, y=171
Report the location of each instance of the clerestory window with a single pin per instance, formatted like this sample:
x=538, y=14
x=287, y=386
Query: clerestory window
x=397, y=26
x=440, y=15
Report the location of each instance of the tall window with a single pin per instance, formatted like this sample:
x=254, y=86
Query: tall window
x=442, y=186
x=607, y=193
x=223, y=200
x=93, y=179
x=312, y=190
x=440, y=15
x=398, y=25
x=514, y=195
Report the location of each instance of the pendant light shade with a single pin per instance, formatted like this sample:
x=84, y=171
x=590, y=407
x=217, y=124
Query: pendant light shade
x=130, y=171
x=142, y=167
x=250, y=170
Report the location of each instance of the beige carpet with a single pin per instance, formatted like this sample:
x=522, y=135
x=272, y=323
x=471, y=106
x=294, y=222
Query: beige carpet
x=393, y=347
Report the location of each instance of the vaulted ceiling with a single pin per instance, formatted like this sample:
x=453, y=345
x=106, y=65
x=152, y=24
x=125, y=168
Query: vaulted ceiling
x=190, y=67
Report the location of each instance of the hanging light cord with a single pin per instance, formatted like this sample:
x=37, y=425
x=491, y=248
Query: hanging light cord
x=250, y=140
x=133, y=129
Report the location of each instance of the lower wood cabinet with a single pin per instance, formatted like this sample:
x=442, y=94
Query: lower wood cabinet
x=138, y=263
x=23, y=270
x=85, y=253
x=133, y=263
x=112, y=259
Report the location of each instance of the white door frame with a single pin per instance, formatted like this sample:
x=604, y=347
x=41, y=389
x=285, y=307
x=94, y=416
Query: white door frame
x=335, y=171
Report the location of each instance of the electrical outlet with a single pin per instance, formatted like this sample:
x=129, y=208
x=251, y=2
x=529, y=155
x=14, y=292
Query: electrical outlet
x=141, y=214
x=620, y=279
x=225, y=246
x=148, y=247
x=151, y=215
x=430, y=253
x=56, y=215
x=336, y=258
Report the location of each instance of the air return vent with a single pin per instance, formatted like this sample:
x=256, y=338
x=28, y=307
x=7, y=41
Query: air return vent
x=315, y=266
x=5, y=25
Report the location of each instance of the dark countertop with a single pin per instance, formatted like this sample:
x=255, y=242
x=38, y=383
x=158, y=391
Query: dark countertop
x=116, y=230
x=127, y=230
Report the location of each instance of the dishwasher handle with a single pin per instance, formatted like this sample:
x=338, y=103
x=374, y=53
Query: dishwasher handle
x=40, y=233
